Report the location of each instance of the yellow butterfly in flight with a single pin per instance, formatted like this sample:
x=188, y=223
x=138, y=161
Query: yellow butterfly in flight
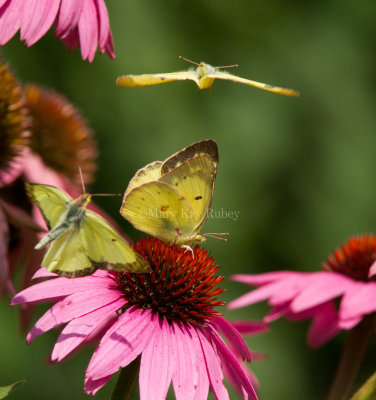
x=204, y=76
x=80, y=240
x=170, y=199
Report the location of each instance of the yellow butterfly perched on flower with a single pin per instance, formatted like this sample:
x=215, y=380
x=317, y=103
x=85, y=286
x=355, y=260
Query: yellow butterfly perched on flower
x=80, y=240
x=170, y=199
x=204, y=76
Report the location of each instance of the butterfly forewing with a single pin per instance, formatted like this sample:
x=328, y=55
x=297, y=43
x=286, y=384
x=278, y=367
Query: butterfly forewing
x=50, y=200
x=149, y=173
x=194, y=179
x=106, y=249
x=155, y=79
x=160, y=210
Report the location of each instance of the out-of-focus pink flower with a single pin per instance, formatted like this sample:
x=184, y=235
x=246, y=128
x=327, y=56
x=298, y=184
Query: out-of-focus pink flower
x=79, y=23
x=336, y=299
x=167, y=318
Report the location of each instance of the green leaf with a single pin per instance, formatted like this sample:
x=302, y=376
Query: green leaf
x=367, y=391
x=6, y=390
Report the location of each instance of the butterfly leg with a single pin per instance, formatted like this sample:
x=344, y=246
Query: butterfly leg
x=188, y=248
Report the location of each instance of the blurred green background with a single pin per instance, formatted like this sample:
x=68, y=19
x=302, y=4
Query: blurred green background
x=301, y=172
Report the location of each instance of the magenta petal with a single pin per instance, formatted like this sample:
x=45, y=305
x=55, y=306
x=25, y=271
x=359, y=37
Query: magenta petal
x=71, y=307
x=157, y=363
x=37, y=18
x=4, y=241
x=104, y=24
x=185, y=374
x=262, y=279
x=233, y=337
x=43, y=273
x=319, y=288
x=122, y=343
x=213, y=366
x=228, y=358
x=62, y=287
x=324, y=325
x=109, y=49
x=349, y=323
x=69, y=15
x=250, y=327
x=203, y=379
x=277, y=312
x=10, y=19
x=88, y=30
x=92, y=386
x=80, y=328
x=358, y=300
x=2, y=2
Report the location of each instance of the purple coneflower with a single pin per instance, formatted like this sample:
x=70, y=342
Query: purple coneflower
x=342, y=297
x=79, y=23
x=166, y=318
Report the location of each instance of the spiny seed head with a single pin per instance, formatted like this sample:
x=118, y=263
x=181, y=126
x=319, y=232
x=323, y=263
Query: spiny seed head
x=354, y=258
x=60, y=135
x=14, y=117
x=180, y=288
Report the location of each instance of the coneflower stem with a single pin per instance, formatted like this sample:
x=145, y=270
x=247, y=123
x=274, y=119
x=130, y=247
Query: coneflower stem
x=126, y=383
x=352, y=355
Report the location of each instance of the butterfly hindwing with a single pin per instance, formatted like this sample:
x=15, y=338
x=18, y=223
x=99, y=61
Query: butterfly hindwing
x=159, y=210
x=149, y=173
x=106, y=249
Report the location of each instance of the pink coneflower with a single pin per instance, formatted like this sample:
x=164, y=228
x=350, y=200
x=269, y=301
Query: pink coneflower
x=166, y=318
x=342, y=297
x=79, y=23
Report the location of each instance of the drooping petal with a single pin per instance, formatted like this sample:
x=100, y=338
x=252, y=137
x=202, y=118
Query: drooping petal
x=262, y=279
x=4, y=240
x=324, y=325
x=71, y=307
x=69, y=15
x=10, y=19
x=93, y=385
x=372, y=270
x=358, y=300
x=104, y=23
x=88, y=30
x=213, y=366
x=37, y=18
x=80, y=328
x=185, y=374
x=319, y=288
x=234, y=337
x=250, y=327
x=122, y=343
x=62, y=287
x=277, y=312
x=203, y=378
x=233, y=364
x=157, y=363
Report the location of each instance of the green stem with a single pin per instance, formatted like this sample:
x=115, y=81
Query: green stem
x=353, y=352
x=126, y=383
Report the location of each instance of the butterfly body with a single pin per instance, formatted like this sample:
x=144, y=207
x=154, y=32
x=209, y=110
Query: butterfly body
x=79, y=239
x=170, y=199
x=204, y=76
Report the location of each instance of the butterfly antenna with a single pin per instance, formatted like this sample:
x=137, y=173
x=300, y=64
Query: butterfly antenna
x=228, y=66
x=82, y=179
x=186, y=59
x=215, y=236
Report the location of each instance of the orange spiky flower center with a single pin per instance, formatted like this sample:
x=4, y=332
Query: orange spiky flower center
x=354, y=258
x=61, y=136
x=179, y=288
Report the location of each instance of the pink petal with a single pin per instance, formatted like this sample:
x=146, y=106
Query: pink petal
x=372, y=270
x=250, y=327
x=157, y=362
x=4, y=241
x=14, y=168
x=109, y=49
x=358, y=300
x=213, y=366
x=277, y=312
x=234, y=338
x=10, y=19
x=104, y=24
x=88, y=30
x=228, y=358
x=92, y=386
x=324, y=325
x=185, y=374
x=262, y=279
x=62, y=287
x=2, y=2
x=72, y=39
x=319, y=288
x=78, y=330
x=37, y=18
x=122, y=343
x=71, y=307
x=350, y=322
x=288, y=286
x=203, y=379
x=69, y=15
x=43, y=273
